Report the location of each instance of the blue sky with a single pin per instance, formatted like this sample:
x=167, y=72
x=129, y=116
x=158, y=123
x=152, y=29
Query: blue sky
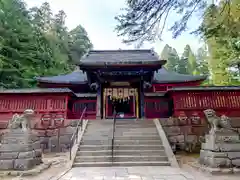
x=97, y=17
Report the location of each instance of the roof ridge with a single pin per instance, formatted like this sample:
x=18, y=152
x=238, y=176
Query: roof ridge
x=121, y=50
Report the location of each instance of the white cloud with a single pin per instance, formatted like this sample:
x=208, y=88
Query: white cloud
x=97, y=17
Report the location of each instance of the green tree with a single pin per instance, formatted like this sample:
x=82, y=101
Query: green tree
x=170, y=54
x=182, y=65
x=191, y=60
x=144, y=20
x=221, y=31
x=34, y=43
x=187, y=63
x=21, y=52
x=79, y=43
x=202, y=62
x=165, y=52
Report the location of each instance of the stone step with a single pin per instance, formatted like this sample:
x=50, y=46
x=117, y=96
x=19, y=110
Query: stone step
x=120, y=121
x=140, y=133
x=121, y=152
x=123, y=129
x=124, y=134
x=152, y=137
x=120, y=142
x=131, y=158
x=122, y=138
x=134, y=121
x=121, y=147
x=135, y=125
x=107, y=164
x=147, y=129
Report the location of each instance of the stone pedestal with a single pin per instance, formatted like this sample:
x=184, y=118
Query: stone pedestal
x=221, y=150
x=19, y=150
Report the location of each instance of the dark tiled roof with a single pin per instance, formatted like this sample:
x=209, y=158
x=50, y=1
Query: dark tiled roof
x=165, y=76
x=105, y=57
x=76, y=77
x=35, y=90
x=86, y=94
x=207, y=88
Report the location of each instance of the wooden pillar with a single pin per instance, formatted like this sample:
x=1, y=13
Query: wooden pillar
x=99, y=96
x=142, y=100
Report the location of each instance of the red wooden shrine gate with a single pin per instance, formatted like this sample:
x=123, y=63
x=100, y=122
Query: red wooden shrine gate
x=120, y=93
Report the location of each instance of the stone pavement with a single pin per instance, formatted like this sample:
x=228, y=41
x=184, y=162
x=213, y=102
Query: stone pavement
x=127, y=173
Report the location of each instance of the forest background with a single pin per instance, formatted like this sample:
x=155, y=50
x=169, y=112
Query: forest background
x=35, y=42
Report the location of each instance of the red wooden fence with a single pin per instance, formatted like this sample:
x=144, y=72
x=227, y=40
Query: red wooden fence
x=223, y=102
x=37, y=103
x=55, y=105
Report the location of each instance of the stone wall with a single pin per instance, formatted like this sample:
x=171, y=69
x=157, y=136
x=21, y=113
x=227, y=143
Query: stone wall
x=187, y=135
x=54, y=140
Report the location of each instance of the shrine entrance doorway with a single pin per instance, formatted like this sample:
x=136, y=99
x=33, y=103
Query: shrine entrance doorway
x=122, y=100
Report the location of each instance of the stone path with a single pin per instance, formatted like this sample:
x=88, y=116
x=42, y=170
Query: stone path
x=127, y=173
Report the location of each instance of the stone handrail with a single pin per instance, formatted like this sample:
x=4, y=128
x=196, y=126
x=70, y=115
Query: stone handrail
x=168, y=150
x=73, y=150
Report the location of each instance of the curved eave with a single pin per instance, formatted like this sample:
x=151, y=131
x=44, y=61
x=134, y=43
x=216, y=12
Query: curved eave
x=76, y=77
x=186, y=80
x=163, y=76
x=62, y=82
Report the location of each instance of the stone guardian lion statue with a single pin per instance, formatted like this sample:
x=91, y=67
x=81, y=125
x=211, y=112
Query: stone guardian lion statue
x=21, y=121
x=217, y=123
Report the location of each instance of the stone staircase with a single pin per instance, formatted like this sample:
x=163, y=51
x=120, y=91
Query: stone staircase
x=137, y=143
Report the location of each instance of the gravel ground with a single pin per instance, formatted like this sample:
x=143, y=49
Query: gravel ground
x=186, y=159
x=59, y=160
x=58, y=163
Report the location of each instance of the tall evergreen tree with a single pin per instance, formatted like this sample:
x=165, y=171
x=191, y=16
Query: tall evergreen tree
x=182, y=66
x=218, y=46
x=170, y=54
x=187, y=63
x=79, y=43
x=33, y=43
x=202, y=62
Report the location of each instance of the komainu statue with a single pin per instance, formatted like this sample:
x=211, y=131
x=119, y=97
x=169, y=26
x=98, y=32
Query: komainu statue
x=21, y=121
x=217, y=123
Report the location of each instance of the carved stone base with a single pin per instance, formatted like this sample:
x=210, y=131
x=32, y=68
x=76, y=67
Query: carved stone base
x=20, y=150
x=221, y=150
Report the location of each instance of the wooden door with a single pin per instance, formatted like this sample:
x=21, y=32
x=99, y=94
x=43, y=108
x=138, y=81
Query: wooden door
x=115, y=92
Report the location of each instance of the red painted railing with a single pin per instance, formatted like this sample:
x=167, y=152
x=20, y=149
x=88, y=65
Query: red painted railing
x=223, y=102
x=56, y=105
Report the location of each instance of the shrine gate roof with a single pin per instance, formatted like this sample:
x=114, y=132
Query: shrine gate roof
x=161, y=76
x=35, y=90
x=165, y=76
x=123, y=57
